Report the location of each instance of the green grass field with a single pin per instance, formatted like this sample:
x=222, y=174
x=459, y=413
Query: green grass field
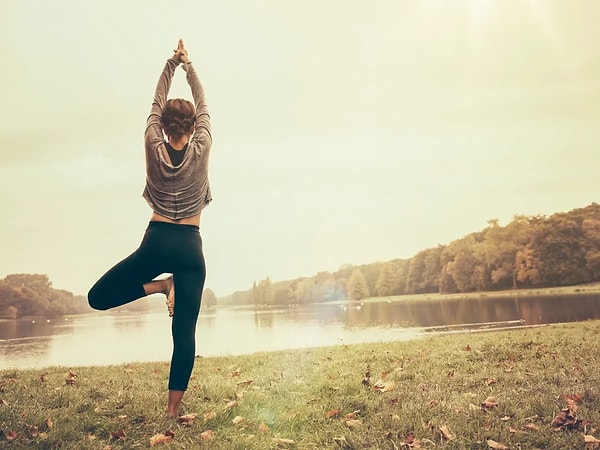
x=500, y=389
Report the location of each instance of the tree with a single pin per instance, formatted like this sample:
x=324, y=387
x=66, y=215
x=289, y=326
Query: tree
x=414, y=277
x=387, y=282
x=357, y=286
x=209, y=298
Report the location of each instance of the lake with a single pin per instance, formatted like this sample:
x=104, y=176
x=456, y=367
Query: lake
x=106, y=338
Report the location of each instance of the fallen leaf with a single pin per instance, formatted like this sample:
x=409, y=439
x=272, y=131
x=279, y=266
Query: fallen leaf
x=496, y=445
x=44, y=377
x=209, y=415
x=352, y=415
x=382, y=386
x=512, y=430
x=72, y=374
x=446, y=433
x=118, y=434
x=488, y=380
x=32, y=430
x=207, y=435
x=236, y=372
x=237, y=420
x=11, y=435
x=283, y=441
x=353, y=423
x=230, y=405
x=409, y=438
x=489, y=403
x=245, y=383
x=170, y=432
x=70, y=381
x=531, y=427
x=468, y=348
x=160, y=438
x=573, y=401
x=432, y=403
x=565, y=419
x=263, y=428
x=333, y=413
x=48, y=423
x=591, y=443
x=187, y=419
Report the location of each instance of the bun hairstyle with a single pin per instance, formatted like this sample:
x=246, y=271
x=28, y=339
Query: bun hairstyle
x=178, y=117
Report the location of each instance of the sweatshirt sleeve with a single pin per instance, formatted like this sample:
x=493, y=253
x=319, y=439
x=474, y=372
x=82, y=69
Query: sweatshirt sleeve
x=154, y=129
x=202, y=131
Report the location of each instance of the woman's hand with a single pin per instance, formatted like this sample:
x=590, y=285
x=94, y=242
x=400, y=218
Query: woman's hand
x=180, y=53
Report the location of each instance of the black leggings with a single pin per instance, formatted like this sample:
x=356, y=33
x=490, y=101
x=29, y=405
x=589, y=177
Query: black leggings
x=165, y=248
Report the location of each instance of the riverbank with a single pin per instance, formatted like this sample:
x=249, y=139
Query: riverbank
x=454, y=391
x=589, y=288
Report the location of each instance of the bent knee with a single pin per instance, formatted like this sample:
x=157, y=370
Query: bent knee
x=96, y=301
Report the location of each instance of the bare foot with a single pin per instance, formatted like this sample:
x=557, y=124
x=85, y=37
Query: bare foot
x=170, y=293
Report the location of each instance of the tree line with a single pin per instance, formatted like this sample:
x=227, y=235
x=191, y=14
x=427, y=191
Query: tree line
x=530, y=252
x=32, y=295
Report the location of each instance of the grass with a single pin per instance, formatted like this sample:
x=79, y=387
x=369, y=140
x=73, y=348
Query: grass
x=368, y=396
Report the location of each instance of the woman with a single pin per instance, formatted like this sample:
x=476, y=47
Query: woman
x=177, y=190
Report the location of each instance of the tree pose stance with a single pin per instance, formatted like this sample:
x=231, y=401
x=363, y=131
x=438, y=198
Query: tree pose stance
x=177, y=190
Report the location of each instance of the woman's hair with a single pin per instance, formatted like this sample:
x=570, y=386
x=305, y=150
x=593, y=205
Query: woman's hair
x=178, y=117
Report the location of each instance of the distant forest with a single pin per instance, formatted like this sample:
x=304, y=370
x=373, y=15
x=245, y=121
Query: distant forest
x=32, y=295
x=529, y=252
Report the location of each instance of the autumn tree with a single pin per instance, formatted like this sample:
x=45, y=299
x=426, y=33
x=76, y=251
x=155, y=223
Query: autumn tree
x=209, y=298
x=387, y=282
x=357, y=286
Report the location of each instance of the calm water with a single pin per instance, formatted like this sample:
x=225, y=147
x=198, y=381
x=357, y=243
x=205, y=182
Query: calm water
x=113, y=338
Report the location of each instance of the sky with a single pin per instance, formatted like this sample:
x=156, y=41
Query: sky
x=344, y=132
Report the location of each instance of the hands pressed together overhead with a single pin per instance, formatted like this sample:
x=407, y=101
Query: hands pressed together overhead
x=180, y=53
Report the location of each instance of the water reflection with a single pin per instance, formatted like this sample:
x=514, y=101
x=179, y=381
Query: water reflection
x=109, y=338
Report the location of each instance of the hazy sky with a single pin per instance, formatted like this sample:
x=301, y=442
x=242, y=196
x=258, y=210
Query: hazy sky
x=344, y=131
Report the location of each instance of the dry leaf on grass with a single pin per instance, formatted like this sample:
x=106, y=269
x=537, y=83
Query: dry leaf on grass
x=209, y=415
x=120, y=434
x=230, y=405
x=496, y=445
x=353, y=423
x=44, y=377
x=32, y=430
x=489, y=403
x=237, y=420
x=446, y=433
x=565, y=419
x=11, y=435
x=352, y=415
x=573, y=401
x=263, y=428
x=245, y=383
x=283, y=441
x=49, y=424
x=591, y=443
x=207, y=435
x=160, y=438
x=333, y=413
x=382, y=386
x=187, y=419
x=531, y=427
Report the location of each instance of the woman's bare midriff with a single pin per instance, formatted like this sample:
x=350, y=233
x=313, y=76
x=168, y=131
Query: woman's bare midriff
x=193, y=220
